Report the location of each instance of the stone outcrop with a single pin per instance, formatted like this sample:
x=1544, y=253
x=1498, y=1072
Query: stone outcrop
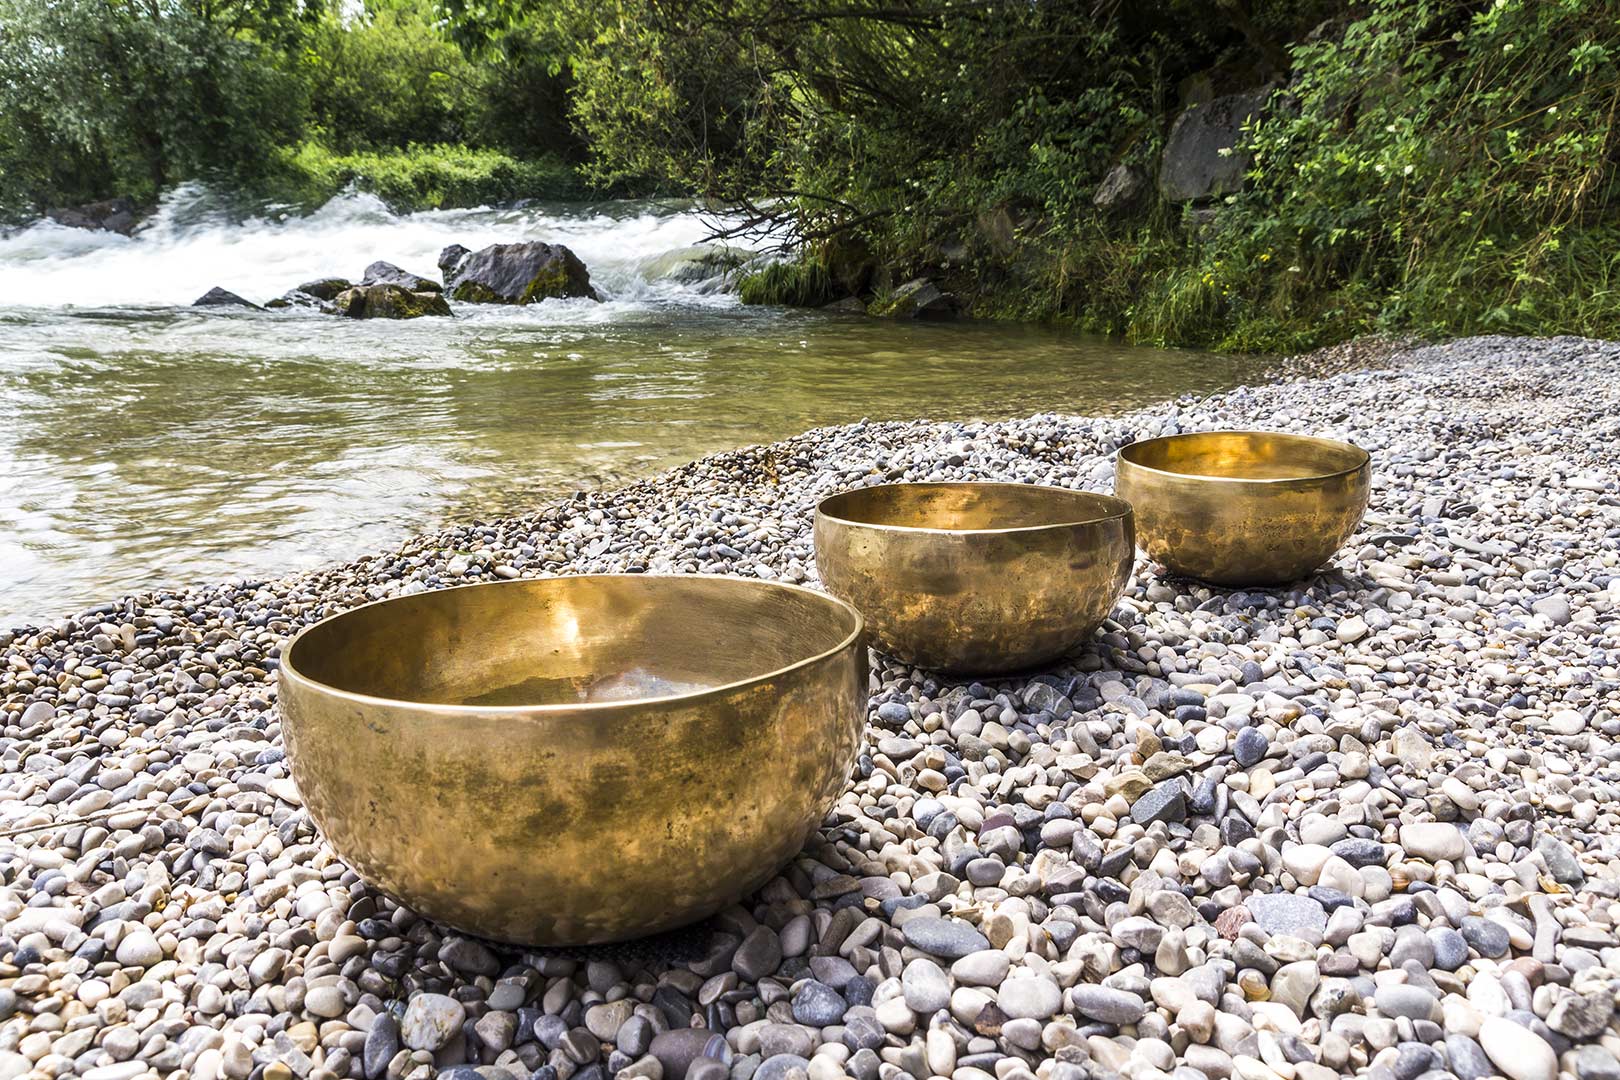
x=916, y=299
x=1120, y=189
x=1199, y=157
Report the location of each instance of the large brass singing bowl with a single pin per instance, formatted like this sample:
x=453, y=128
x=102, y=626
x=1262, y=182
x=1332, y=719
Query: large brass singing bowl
x=577, y=759
x=1243, y=507
x=976, y=578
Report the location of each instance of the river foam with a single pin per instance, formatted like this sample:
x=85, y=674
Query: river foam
x=636, y=251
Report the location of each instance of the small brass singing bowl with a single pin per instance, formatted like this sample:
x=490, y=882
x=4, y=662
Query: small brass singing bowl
x=976, y=578
x=1243, y=507
x=578, y=759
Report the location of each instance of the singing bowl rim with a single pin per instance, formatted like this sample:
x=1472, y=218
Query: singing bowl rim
x=289, y=669
x=1127, y=456
x=1117, y=508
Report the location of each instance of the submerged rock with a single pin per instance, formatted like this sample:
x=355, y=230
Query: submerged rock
x=523, y=273
x=325, y=288
x=318, y=294
x=218, y=297
x=389, y=302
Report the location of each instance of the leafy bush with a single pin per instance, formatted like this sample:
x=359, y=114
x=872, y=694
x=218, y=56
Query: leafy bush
x=118, y=97
x=387, y=77
x=1440, y=167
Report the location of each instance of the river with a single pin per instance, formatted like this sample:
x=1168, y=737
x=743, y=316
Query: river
x=145, y=443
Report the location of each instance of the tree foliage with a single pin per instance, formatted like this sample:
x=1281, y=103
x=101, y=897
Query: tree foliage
x=149, y=92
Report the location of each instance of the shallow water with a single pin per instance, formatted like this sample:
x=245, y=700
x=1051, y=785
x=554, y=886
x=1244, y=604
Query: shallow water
x=144, y=443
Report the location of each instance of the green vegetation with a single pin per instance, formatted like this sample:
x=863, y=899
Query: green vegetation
x=1427, y=166
x=291, y=100
x=420, y=176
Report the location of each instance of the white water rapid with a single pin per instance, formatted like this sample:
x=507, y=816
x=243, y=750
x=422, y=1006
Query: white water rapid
x=636, y=251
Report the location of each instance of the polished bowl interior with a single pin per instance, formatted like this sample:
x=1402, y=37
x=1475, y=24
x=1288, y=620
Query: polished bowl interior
x=976, y=578
x=1243, y=507
x=577, y=759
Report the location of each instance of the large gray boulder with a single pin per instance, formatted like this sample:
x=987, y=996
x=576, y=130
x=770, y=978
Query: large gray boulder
x=386, y=273
x=1194, y=165
x=523, y=273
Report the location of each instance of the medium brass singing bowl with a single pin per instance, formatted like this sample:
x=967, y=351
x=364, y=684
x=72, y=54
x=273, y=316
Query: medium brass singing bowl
x=578, y=759
x=976, y=578
x=1243, y=507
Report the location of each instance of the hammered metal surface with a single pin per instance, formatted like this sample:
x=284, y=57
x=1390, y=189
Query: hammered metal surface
x=976, y=578
x=565, y=814
x=1243, y=507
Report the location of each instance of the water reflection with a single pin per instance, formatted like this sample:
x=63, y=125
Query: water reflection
x=160, y=447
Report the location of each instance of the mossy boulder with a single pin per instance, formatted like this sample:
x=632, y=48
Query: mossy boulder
x=523, y=273
x=388, y=302
x=916, y=299
x=318, y=294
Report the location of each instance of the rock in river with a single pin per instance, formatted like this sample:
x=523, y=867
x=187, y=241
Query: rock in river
x=389, y=302
x=523, y=273
x=218, y=297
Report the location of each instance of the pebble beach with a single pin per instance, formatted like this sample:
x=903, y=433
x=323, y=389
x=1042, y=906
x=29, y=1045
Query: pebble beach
x=1368, y=824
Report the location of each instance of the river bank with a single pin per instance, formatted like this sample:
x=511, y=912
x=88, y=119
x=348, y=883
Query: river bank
x=1394, y=846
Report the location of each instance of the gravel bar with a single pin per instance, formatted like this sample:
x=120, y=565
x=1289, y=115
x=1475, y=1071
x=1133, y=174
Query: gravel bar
x=1364, y=825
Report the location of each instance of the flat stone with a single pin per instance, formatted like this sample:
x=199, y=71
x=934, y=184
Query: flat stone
x=948, y=938
x=1414, y=1003
x=759, y=955
x=783, y=1067
x=1289, y=914
x=818, y=1005
x=1489, y=938
x=677, y=1048
x=1249, y=747
x=987, y=967
x=1106, y=1004
x=1029, y=997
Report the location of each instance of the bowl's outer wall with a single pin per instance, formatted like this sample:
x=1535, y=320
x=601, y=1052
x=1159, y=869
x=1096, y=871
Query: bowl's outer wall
x=578, y=827
x=1237, y=532
x=978, y=602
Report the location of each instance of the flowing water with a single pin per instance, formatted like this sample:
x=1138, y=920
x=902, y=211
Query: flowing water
x=145, y=443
